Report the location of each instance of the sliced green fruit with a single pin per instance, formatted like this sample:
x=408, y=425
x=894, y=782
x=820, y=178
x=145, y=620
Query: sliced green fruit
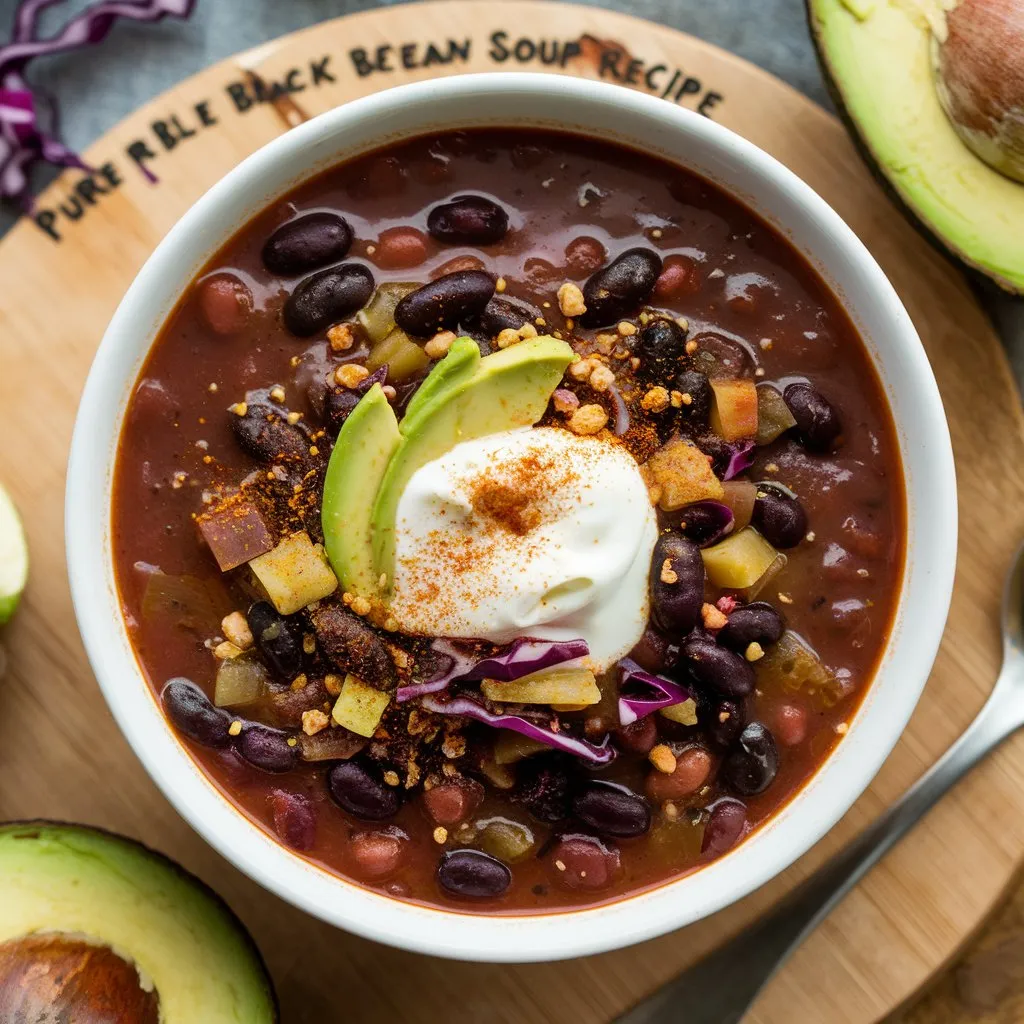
x=507, y=389
x=13, y=557
x=877, y=56
x=366, y=442
x=454, y=369
x=94, y=926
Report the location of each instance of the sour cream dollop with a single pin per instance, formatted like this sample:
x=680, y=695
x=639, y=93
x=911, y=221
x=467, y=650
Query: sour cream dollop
x=534, y=532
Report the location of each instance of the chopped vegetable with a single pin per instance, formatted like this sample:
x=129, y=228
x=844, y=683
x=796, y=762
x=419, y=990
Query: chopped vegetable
x=468, y=708
x=734, y=409
x=359, y=707
x=680, y=474
x=240, y=681
x=576, y=686
x=522, y=657
x=510, y=747
x=773, y=415
x=792, y=666
x=684, y=713
x=295, y=573
x=740, y=496
x=507, y=840
x=333, y=744
x=377, y=317
x=404, y=358
x=739, y=561
x=235, y=532
x=13, y=558
x=642, y=693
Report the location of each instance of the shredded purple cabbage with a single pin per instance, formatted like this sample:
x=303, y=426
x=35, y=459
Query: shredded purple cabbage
x=522, y=657
x=468, y=708
x=740, y=459
x=621, y=423
x=22, y=140
x=642, y=693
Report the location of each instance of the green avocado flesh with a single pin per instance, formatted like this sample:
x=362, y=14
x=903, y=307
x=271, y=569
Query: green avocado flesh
x=464, y=397
x=86, y=886
x=877, y=55
x=366, y=442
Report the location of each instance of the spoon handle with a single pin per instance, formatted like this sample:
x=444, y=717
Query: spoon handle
x=720, y=988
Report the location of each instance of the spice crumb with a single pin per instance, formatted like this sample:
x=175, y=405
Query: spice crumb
x=391, y=778
x=277, y=393
x=570, y=300
x=668, y=574
x=754, y=651
x=293, y=417
x=239, y=408
x=351, y=375
x=626, y=329
x=588, y=419
x=340, y=337
x=560, y=865
x=314, y=721
x=842, y=728
x=439, y=345
x=662, y=758
x=440, y=835
x=657, y=399
x=500, y=285
x=785, y=598
x=235, y=628
x=235, y=728
x=713, y=617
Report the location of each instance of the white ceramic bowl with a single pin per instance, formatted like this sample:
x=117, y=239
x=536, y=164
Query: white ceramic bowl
x=608, y=112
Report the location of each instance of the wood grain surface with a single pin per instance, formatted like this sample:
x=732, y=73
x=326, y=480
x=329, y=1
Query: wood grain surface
x=60, y=753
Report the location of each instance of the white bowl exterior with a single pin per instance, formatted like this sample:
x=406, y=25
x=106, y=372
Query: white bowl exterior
x=617, y=114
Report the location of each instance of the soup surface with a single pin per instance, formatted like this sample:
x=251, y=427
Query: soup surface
x=568, y=620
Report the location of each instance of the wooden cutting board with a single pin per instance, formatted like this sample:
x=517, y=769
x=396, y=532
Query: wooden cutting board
x=63, y=273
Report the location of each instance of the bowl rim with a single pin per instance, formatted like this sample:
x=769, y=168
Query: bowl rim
x=464, y=934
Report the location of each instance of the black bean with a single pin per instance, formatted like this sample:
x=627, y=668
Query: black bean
x=779, y=516
x=725, y=825
x=338, y=402
x=267, y=748
x=278, y=641
x=505, y=314
x=715, y=667
x=754, y=623
x=544, y=787
x=612, y=810
x=353, y=646
x=817, y=421
x=360, y=789
x=660, y=346
x=655, y=652
x=472, y=874
x=676, y=583
x=468, y=220
x=327, y=297
x=751, y=766
x=695, y=412
x=616, y=291
x=722, y=721
x=265, y=434
x=705, y=522
x=192, y=713
x=445, y=302
x=307, y=242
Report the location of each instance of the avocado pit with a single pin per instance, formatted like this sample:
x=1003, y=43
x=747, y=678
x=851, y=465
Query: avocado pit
x=53, y=977
x=979, y=78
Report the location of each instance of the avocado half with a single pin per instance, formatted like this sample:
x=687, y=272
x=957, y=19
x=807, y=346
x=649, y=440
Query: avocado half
x=97, y=928
x=877, y=58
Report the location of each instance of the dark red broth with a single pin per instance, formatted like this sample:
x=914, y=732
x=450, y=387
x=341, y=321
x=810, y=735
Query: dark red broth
x=757, y=312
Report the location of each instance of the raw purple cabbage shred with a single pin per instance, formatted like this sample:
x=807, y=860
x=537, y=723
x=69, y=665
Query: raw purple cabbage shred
x=642, y=693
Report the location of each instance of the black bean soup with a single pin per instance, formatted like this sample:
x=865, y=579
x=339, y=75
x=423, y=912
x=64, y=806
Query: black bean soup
x=703, y=344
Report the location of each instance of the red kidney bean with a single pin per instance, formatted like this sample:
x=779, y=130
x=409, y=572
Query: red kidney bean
x=696, y=385
x=789, y=722
x=265, y=434
x=376, y=855
x=817, y=422
x=452, y=802
x=757, y=623
x=779, y=516
x=660, y=346
x=472, y=874
x=353, y=646
x=725, y=825
x=723, y=721
x=544, y=787
x=655, y=652
x=400, y=248
x=612, y=810
x=693, y=766
x=327, y=297
x=751, y=766
x=225, y=302
x=359, y=789
x=294, y=819
x=456, y=264
x=676, y=603
x=278, y=642
x=638, y=737
x=267, y=749
x=584, y=862
x=445, y=302
x=678, y=277
x=719, y=356
x=309, y=241
x=617, y=290
x=468, y=220
x=504, y=314
x=862, y=540
x=192, y=713
x=584, y=255
x=540, y=273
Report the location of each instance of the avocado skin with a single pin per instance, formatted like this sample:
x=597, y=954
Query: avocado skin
x=147, y=873
x=947, y=247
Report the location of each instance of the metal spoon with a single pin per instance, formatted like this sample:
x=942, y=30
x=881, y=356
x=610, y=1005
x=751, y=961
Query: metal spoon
x=729, y=979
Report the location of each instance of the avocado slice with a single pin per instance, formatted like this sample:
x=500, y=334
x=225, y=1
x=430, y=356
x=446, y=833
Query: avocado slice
x=456, y=367
x=366, y=442
x=877, y=59
x=123, y=933
x=507, y=389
